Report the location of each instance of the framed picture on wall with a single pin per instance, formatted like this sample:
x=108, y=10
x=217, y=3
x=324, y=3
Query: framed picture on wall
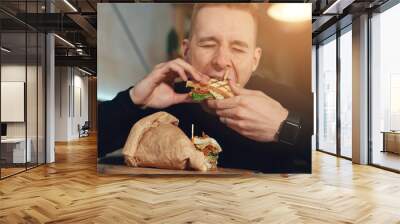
x=237, y=95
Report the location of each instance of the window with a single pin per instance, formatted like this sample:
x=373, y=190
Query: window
x=327, y=96
x=385, y=88
x=394, y=102
x=346, y=93
x=22, y=77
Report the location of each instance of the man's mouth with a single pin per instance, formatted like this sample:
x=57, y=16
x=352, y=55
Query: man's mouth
x=227, y=74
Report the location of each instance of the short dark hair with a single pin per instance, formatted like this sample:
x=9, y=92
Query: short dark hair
x=251, y=8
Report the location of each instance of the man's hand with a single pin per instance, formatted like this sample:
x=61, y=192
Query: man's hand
x=156, y=89
x=250, y=113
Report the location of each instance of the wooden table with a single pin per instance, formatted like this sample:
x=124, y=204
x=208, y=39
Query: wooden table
x=139, y=171
x=391, y=141
x=14, y=150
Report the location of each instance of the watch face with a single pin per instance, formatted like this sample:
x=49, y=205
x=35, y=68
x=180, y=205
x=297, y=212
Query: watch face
x=289, y=133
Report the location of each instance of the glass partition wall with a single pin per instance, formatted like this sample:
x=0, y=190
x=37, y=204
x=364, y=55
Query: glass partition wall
x=22, y=88
x=327, y=95
x=345, y=93
x=385, y=89
x=334, y=93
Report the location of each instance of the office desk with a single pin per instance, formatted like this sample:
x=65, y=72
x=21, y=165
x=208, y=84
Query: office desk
x=391, y=141
x=13, y=150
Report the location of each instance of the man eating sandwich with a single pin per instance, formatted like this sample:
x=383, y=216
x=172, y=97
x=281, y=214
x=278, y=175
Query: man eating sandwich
x=260, y=124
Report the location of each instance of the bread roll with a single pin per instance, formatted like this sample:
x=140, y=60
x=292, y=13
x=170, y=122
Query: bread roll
x=156, y=141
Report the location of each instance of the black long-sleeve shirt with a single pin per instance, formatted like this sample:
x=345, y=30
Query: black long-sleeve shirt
x=116, y=118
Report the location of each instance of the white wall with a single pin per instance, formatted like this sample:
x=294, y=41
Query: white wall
x=61, y=103
x=80, y=100
x=12, y=100
x=12, y=73
x=119, y=66
x=70, y=83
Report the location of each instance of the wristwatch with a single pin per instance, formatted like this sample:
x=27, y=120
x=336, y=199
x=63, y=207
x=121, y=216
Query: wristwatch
x=290, y=129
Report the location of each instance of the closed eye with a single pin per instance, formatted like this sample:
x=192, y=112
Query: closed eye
x=240, y=50
x=207, y=44
x=239, y=46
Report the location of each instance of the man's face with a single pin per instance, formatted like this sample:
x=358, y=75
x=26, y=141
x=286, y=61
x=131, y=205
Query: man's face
x=223, y=38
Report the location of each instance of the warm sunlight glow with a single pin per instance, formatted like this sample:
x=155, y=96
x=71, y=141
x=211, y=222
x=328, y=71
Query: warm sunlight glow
x=290, y=12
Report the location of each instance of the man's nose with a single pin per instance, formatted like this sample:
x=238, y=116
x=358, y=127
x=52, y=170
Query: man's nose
x=222, y=59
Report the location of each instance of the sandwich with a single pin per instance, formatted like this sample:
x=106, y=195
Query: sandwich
x=210, y=148
x=214, y=89
x=156, y=141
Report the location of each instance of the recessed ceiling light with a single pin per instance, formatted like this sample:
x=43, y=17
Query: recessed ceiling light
x=337, y=7
x=5, y=50
x=64, y=40
x=84, y=71
x=70, y=5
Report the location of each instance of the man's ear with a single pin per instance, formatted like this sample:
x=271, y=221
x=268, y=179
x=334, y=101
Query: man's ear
x=256, y=58
x=185, y=49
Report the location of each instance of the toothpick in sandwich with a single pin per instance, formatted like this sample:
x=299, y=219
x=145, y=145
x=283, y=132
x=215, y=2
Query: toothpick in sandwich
x=226, y=74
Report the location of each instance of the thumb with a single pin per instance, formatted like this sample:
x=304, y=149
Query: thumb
x=182, y=98
x=237, y=89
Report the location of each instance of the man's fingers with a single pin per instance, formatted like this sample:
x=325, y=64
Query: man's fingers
x=159, y=65
x=228, y=121
x=196, y=75
x=176, y=68
x=182, y=98
x=240, y=127
x=229, y=113
x=168, y=72
x=236, y=124
x=180, y=68
x=231, y=102
x=237, y=90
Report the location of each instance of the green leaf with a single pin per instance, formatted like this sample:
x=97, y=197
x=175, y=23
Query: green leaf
x=212, y=158
x=200, y=97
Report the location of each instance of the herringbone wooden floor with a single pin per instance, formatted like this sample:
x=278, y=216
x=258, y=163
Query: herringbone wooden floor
x=70, y=191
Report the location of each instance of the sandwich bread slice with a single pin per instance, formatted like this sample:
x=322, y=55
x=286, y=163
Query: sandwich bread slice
x=214, y=89
x=209, y=147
